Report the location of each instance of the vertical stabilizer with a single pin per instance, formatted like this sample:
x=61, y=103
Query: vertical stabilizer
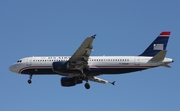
x=157, y=45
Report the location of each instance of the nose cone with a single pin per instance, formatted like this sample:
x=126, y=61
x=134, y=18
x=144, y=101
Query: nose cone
x=12, y=68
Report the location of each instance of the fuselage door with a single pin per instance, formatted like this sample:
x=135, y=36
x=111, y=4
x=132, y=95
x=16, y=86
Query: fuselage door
x=136, y=61
x=28, y=61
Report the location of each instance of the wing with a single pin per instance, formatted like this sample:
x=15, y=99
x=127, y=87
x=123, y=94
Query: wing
x=84, y=51
x=99, y=80
x=79, y=60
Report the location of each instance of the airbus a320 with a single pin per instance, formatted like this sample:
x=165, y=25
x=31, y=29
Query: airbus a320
x=82, y=67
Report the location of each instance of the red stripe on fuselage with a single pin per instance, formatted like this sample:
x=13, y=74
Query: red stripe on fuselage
x=29, y=67
x=44, y=67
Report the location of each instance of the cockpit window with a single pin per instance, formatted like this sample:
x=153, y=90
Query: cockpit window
x=19, y=61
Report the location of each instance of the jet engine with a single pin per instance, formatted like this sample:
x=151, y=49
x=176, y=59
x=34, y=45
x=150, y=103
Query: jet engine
x=70, y=81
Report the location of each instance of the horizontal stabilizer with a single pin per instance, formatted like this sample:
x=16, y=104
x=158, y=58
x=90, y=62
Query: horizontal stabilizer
x=167, y=66
x=159, y=56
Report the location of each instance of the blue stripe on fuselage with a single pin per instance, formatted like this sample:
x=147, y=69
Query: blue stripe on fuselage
x=93, y=71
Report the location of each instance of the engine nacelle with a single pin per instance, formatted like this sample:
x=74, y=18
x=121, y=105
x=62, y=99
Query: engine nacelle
x=59, y=66
x=70, y=81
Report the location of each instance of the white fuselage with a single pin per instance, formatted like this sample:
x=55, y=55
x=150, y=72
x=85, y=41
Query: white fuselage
x=104, y=64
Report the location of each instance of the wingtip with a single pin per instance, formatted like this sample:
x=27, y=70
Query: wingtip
x=113, y=83
x=94, y=36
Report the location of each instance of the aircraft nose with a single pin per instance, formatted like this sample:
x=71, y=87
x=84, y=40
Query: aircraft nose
x=12, y=68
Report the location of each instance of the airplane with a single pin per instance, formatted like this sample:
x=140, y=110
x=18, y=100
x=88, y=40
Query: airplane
x=82, y=67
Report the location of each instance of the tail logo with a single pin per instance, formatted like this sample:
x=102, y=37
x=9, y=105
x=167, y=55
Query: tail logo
x=158, y=47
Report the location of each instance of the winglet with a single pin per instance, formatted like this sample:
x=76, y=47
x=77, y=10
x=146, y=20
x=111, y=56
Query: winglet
x=94, y=36
x=159, y=56
x=113, y=83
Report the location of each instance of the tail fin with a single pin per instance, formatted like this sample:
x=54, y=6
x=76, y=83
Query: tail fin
x=157, y=45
